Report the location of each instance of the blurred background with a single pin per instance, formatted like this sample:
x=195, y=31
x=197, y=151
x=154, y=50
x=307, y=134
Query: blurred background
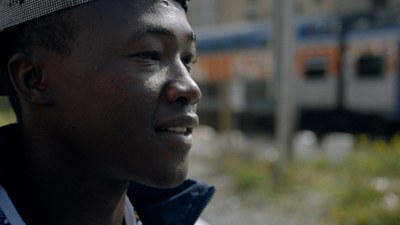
x=300, y=111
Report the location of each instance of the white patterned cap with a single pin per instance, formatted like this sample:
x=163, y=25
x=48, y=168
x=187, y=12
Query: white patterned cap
x=16, y=12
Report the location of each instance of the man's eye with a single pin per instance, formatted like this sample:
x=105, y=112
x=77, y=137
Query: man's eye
x=189, y=61
x=148, y=55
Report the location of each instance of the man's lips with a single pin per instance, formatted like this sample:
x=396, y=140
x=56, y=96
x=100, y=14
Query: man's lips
x=178, y=130
x=180, y=124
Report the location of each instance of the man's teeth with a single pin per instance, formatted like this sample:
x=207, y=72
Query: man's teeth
x=177, y=129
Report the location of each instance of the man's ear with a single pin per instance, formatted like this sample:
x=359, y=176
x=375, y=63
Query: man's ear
x=28, y=79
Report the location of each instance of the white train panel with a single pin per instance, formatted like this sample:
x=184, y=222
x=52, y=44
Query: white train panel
x=371, y=72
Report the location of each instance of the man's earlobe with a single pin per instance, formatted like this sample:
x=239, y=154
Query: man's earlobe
x=28, y=79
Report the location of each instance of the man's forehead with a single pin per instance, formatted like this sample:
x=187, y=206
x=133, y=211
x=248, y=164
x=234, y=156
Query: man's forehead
x=16, y=12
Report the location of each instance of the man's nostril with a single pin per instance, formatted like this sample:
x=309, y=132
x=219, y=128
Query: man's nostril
x=182, y=100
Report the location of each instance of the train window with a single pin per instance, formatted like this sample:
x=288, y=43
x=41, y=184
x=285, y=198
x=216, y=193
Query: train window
x=316, y=68
x=370, y=66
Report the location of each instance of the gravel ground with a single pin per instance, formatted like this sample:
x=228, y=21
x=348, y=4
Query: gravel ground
x=227, y=208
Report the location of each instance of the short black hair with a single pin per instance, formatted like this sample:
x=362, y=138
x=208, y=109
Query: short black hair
x=53, y=32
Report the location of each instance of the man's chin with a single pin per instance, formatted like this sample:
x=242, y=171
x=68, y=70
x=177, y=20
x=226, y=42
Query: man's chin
x=168, y=183
x=164, y=181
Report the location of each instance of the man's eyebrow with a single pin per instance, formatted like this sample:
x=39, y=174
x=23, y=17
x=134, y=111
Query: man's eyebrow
x=153, y=29
x=160, y=30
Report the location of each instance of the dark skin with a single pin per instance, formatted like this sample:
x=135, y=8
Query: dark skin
x=120, y=107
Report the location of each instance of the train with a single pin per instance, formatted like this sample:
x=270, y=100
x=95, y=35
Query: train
x=346, y=77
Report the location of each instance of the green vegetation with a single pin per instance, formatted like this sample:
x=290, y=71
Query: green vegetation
x=370, y=190
x=364, y=189
x=246, y=175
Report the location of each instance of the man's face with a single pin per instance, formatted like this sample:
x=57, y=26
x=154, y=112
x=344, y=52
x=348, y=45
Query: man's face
x=124, y=98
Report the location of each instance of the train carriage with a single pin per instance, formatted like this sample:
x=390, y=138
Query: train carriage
x=371, y=72
x=242, y=55
x=316, y=64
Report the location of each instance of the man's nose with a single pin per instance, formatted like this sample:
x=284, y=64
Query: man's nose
x=184, y=90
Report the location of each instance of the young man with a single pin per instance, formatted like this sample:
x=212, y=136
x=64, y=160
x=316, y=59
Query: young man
x=103, y=96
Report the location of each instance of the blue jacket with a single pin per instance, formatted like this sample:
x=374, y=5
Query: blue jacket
x=176, y=206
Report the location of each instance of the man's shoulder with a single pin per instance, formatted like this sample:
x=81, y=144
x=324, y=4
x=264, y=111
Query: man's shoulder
x=8, y=213
x=3, y=218
x=10, y=145
x=9, y=135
